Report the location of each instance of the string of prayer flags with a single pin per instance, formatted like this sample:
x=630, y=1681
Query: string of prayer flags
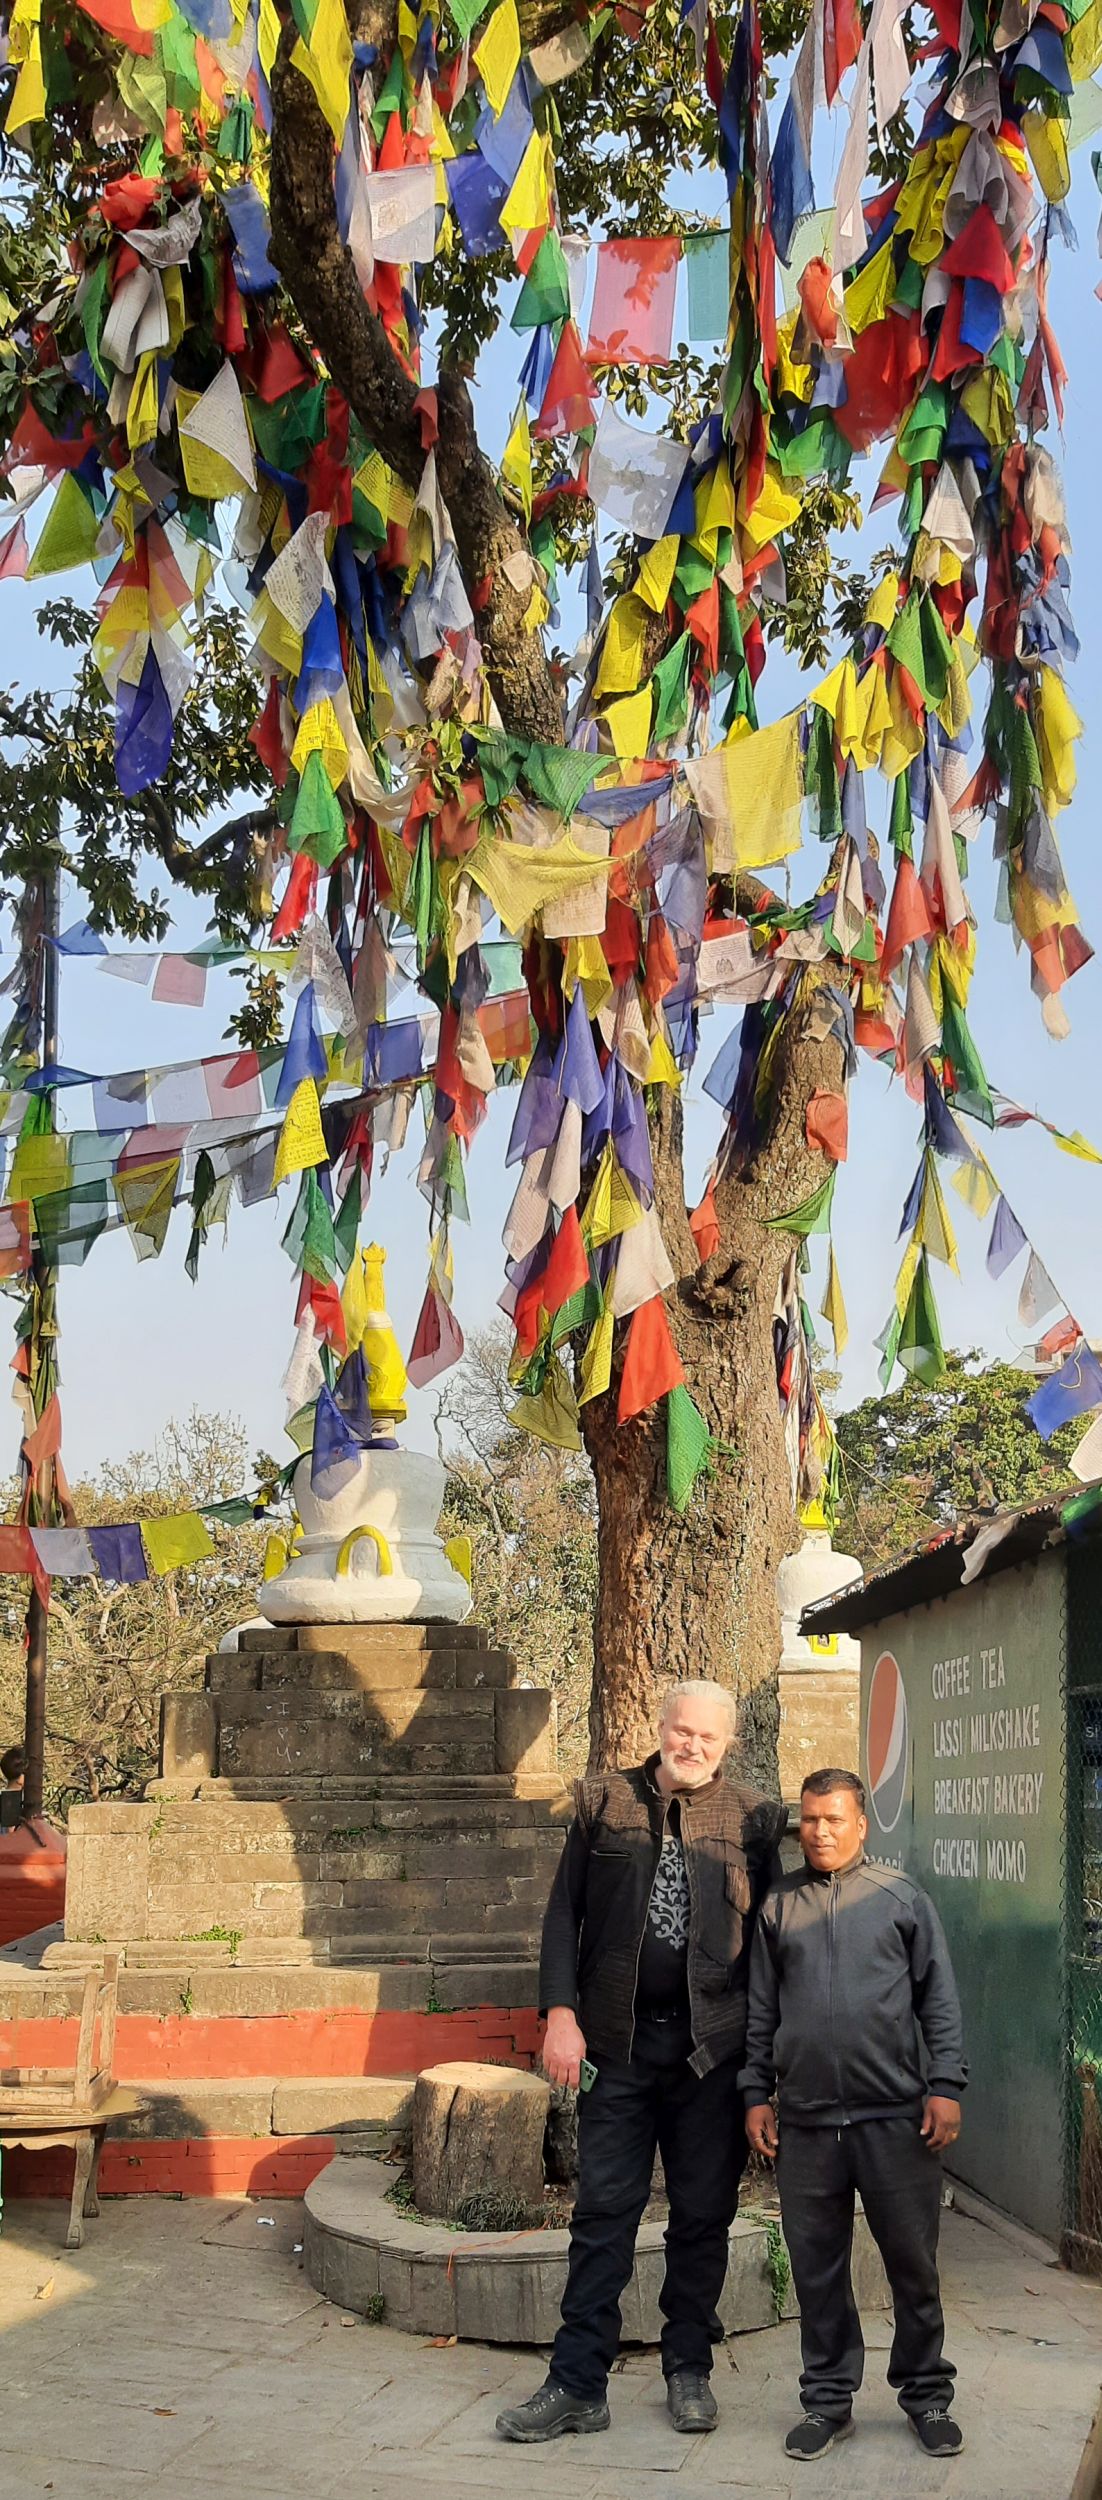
x=626, y=885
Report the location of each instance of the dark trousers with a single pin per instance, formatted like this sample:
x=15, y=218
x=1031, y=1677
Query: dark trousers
x=695, y=2122
x=886, y=2163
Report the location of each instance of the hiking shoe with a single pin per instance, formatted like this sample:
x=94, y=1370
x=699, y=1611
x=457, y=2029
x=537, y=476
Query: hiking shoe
x=937, y=2432
x=550, y=2412
x=814, y=2435
x=692, y=2404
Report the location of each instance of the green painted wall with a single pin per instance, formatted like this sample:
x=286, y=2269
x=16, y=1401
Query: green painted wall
x=981, y=1824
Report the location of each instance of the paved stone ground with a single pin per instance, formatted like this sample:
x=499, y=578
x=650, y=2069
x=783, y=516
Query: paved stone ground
x=181, y=2355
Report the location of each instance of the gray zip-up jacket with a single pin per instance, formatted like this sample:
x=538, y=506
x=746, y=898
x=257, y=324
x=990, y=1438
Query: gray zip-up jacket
x=850, y=1981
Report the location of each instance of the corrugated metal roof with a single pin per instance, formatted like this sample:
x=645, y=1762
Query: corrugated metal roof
x=934, y=1570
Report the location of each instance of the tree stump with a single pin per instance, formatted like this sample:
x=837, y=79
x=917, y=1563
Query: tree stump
x=478, y=2145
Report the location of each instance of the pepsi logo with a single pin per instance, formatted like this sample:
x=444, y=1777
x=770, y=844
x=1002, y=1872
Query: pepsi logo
x=886, y=1742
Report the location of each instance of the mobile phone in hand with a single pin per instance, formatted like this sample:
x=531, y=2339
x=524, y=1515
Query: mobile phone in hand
x=587, y=2075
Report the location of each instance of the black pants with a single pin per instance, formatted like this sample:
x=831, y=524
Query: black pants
x=696, y=2123
x=899, y=2183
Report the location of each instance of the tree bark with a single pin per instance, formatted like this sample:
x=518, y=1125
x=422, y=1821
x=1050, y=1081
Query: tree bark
x=478, y=2141
x=696, y=1596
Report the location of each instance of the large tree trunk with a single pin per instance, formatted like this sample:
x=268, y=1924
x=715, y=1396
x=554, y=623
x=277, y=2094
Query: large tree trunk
x=697, y=1596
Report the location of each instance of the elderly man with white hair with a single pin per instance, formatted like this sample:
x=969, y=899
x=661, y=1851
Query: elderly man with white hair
x=643, y=1981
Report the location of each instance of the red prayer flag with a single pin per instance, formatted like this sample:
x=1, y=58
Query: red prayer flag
x=634, y=301
x=704, y=1225
x=437, y=1340
x=652, y=1364
x=568, y=401
x=908, y=918
x=826, y=1124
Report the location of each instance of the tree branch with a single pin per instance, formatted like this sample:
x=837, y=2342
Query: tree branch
x=321, y=278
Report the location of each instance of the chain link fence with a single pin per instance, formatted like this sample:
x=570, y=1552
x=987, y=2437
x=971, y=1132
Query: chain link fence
x=1082, y=2245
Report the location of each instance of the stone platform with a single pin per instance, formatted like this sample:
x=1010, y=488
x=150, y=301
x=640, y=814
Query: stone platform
x=339, y=1876
x=505, y=2287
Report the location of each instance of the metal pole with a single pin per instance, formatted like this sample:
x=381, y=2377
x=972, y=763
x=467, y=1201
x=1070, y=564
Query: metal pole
x=43, y=1368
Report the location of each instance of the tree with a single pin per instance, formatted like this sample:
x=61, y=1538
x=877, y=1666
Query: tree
x=419, y=712
x=922, y=1457
x=116, y=1649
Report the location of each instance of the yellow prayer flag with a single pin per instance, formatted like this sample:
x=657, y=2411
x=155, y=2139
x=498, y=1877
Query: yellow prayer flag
x=1058, y=726
x=629, y=722
x=775, y=507
x=869, y=294
x=143, y=406
x=587, y=962
x=327, y=63
x=497, y=55
x=882, y=605
x=657, y=569
x=596, y=1367
x=622, y=651
x=1076, y=1144
x=612, y=1207
x=833, y=1306
x=662, y=1067
x=301, y=1139
x=320, y=733
x=170, y=1542
x=28, y=103
x=749, y=794
x=516, y=459
x=528, y=206
x=932, y=1227
x=975, y=1182
x=460, y=1554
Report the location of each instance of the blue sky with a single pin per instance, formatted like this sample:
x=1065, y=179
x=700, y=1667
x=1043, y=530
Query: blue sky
x=141, y=1345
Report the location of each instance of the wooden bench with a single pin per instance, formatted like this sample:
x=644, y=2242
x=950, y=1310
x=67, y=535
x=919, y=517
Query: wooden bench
x=43, y=2106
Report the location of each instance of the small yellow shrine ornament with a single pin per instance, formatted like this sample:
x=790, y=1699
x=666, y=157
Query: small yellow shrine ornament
x=387, y=1382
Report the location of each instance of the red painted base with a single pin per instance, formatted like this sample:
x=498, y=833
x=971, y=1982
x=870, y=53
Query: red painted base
x=233, y=2048
x=32, y=1879
x=198, y=2166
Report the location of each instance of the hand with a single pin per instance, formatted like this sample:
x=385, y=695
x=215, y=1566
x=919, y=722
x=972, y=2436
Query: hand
x=761, y=2127
x=563, y=2047
x=940, y=2122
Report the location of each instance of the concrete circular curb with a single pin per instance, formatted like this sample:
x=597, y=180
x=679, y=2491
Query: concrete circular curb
x=504, y=2287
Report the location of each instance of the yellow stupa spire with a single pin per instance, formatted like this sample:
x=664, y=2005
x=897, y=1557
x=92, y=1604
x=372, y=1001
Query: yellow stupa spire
x=386, y=1373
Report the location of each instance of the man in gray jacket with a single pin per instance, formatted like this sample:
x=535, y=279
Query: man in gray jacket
x=854, y=2018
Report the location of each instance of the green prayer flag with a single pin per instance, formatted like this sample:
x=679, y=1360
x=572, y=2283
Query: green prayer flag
x=559, y=777
x=813, y=1216
x=688, y=1443
x=821, y=784
x=708, y=266
x=347, y=1224
x=671, y=686
x=920, y=1349
x=969, y=1089
x=69, y=537
x=317, y=821
x=901, y=823
x=545, y=295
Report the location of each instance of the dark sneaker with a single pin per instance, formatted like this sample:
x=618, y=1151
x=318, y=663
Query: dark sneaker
x=550, y=2412
x=692, y=2404
x=814, y=2435
x=937, y=2432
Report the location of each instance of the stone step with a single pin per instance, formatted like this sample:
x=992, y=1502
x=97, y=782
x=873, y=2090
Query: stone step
x=290, y=1906
x=475, y=1804
x=364, y=2113
x=326, y=1749
x=347, y=1856
x=427, y=1718
x=429, y=1670
x=357, y=1640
